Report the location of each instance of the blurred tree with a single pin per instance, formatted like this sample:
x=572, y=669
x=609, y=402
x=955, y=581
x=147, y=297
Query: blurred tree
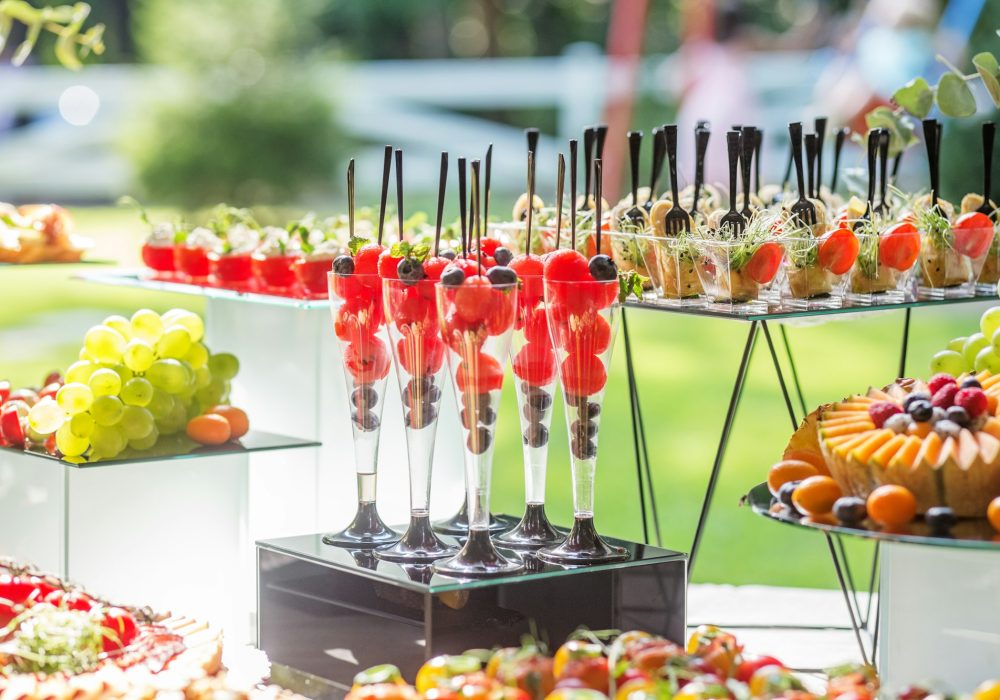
x=249, y=126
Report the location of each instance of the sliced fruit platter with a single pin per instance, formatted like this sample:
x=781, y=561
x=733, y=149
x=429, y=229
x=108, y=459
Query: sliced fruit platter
x=630, y=665
x=141, y=384
x=58, y=641
x=39, y=233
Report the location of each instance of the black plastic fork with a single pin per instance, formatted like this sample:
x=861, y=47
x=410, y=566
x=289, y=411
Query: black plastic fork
x=701, y=136
x=677, y=219
x=747, y=139
x=733, y=220
x=659, y=151
x=882, y=208
x=802, y=209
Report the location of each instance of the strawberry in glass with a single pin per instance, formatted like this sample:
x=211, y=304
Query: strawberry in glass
x=273, y=260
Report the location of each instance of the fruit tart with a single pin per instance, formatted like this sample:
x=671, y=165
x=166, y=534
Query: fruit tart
x=939, y=439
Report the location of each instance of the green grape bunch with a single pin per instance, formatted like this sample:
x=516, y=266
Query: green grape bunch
x=136, y=380
x=973, y=353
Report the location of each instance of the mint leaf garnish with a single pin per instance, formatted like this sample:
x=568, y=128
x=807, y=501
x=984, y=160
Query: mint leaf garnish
x=356, y=243
x=630, y=283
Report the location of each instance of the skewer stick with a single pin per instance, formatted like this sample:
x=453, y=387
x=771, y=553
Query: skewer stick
x=560, y=178
x=350, y=198
x=573, y=145
x=597, y=200
x=442, y=185
x=461, y=205
x=386, y=167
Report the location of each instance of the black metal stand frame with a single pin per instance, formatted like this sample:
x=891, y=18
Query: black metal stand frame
x=864, y=620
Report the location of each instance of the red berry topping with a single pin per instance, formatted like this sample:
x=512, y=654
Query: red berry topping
x=474, y=299
x=945, y=396
x=387, y=265
x=366, y=260
x=881, y=411
x=433, y=267
x=489, y=246
x=940, y=380
x=566, y=265
x=973, y=400
x=529, y=268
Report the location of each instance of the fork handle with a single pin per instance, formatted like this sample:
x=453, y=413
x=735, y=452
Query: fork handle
x=838, y=146
x=873, y=139
x=670, y=142
x=795, y=136
x=733, y=144
x=659, y=151
x=600, y=135
x=931, y=141
x=746, y=163
x=634, y=146
x=820, y=129
x=883, y=160
x=701, y=136
x=811, y=164
x=758, y=141
x=989, y=131
x=588, y=159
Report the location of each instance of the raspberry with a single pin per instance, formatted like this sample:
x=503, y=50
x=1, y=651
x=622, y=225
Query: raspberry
x=388, y=265
x=972, y=400
x=938, y=381
x=945, y=396
x=881, y=411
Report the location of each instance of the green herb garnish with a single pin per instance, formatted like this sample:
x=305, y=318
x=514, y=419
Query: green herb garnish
x=937, y=227
x=630, y=282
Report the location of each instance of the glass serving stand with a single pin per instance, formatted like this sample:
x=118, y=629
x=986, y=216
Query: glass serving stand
x=145, y=526
x=939, y=588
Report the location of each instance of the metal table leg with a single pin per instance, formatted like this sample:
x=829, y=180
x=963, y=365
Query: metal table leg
x=720, y=453
x=795, y=371
x=906, y=341
x=781, y=376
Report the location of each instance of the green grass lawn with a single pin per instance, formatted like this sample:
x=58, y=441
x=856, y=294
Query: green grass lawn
x=685, y=366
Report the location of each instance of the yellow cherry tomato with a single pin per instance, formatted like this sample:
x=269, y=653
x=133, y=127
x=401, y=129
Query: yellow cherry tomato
x=990, y=690
x=572, y=650
x=443, y=667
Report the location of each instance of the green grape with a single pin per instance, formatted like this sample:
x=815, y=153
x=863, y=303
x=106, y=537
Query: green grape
x=973, y=344
x=120, y=324
x=989, y=322
x=147, y=325
x=213, y=393
x=123, y=372
x=171, y=316
x=223, y=365
x=75, y=397
x=84, y=355
x=175, y=342
x=80, y=371
x=136, y=423
x=104, y=344
x=169, y=375
x=45, y=417
x=202, y=378
x=949, y=362
x=107, y=410
x=192, y=322
x=105, y=382
x=82, y=425
x=987, y=359
x=137, y=392
x=107, y=442
x=138, y=355
x=160, y=404
x=146, y=442
x=69, y=443
x=995, y=340
x=174, y=421
x=957, y=344
x=197, y=356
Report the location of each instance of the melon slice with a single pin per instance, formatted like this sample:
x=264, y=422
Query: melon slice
x=906, y=457
x=846, y=429
x=851, y=417
x=948, y=449
x=983, y=376
x=835, y=414
x=878, y=395
x=967, y=450
x=990, y=381
x=864, y=451
x=992, y=426
x=854, y=441
x=989, y=447
x=930, y=451
x=886, y=452
x=858, y=403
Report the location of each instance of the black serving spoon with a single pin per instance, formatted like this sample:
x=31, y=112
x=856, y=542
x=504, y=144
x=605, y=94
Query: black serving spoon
x=635, y=212
x=487, y=169
x=399, y=191
x=600, y=136
x=989, y=131
x=573, y=147
x=701, y=136
x=932, y=132
x=560, y=181
x=350, y=199
x=463, y=220
x=733, y=220
x=758, y=142
x=659, y=151
x=802, y=209
x=882, y=208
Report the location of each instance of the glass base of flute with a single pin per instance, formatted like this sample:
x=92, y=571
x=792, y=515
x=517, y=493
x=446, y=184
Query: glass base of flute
x=418, y=544
x=582, y=546
x=479, y=557
x=367, y=529
x=533, y=531
x=458, y=524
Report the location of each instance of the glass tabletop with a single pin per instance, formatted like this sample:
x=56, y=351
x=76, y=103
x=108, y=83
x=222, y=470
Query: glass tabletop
x=775, y=313
x=968, y=533
x=181, y=447
x=422, y=579
x=56, y=263
x=143, y=279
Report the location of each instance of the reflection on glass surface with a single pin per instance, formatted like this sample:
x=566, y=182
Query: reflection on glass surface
x=178, y=447
x=971, y=533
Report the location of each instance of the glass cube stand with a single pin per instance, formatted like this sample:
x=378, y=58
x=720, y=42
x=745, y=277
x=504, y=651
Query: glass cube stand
x=169, y=531
x=332, y=612
x=937, y=613
x=291, y=381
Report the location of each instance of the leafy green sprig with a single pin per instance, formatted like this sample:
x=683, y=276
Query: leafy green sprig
x=64, y=21
x=937, y=227
x=741, y=248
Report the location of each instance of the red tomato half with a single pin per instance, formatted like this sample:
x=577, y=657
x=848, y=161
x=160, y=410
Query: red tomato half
x=748, y=667
x=899, y=247
x=764, y=263
x=973, y=233
x=838, y=250
x=120, y=629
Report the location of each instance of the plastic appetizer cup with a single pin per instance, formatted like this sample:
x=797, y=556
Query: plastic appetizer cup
x=883, y=272
x=815, y=269
x=159, y=259
x=677, y=268
x=737, y=274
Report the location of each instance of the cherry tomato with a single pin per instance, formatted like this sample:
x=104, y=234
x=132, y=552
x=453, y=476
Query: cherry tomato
x=973, y=232
x=367, y=361
x=746, y=669
x=70, y=600
x=18, y=593
x=481, y=374
x=838, y=250
x=583, y=375
x=764, y=263
x=535, y=363
x=899, y=247
x=120, y=629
